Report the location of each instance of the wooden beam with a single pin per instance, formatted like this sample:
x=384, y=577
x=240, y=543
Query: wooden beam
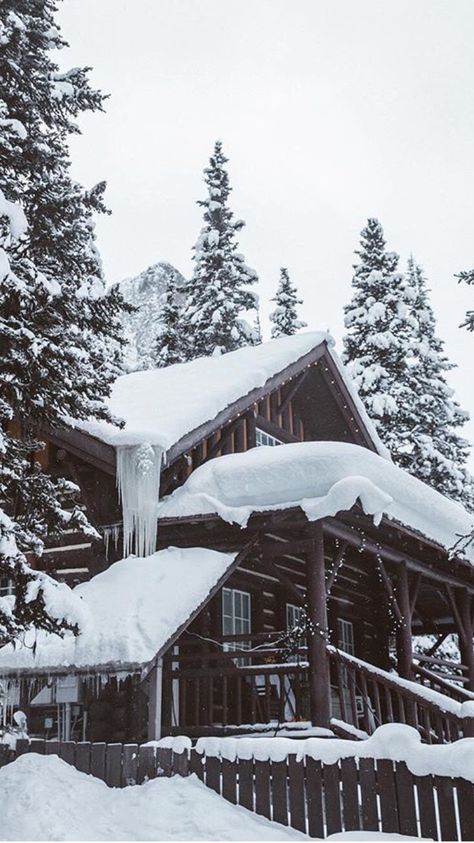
x=337, y=563
x=416, y=582
x=388, y=554
x=404, y=637
x=389, y=589
x=319, y=683
x=299, y=381
x=457, y=617
x=442, y=637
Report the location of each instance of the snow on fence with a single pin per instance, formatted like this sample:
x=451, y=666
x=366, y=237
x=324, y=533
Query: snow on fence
x=390, y=782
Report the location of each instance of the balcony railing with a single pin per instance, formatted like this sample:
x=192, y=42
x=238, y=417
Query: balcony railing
x=213, y=689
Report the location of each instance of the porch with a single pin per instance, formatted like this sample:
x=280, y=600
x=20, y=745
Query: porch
x=241, y=685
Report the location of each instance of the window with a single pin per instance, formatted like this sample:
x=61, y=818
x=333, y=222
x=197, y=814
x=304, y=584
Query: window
x=262, y=438
x=294, y=615
x=236, y=618
x=7, y=586
x=345, y=636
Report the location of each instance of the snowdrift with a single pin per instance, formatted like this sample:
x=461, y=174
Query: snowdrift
x=43, y=798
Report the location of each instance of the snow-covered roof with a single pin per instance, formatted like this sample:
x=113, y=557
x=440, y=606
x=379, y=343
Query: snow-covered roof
x=323, y=478
x=132, y=610
x=160, y=406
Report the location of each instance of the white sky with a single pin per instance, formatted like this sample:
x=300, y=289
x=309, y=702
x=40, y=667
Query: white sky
x=330, y=111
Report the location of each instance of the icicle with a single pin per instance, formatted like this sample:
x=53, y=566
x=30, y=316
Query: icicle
x=138, y=481
x=111, y=534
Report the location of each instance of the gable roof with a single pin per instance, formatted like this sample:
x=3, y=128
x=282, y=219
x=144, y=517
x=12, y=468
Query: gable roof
x=322, y=478
x=135, y=609
x=170, y=407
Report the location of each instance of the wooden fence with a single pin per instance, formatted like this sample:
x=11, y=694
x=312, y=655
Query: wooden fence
x=312, y=797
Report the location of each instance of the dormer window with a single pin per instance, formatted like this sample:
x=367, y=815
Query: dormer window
x=262, y=438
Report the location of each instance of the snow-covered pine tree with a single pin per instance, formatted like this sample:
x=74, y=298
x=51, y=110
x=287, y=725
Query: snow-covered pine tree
x=257, y=330
x=57, y=324
x=285, y=316
x=379, y=338
x=467, y=277
x=433, y=449
x=170, y=341
x=218, y=294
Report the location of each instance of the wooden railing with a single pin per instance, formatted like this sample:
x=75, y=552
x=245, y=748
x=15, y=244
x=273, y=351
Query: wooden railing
x=449, y=678
x=370, y=697
x=316, y=798
x=252, y=683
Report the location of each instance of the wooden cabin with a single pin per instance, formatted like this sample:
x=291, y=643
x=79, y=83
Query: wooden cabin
x=307, y=619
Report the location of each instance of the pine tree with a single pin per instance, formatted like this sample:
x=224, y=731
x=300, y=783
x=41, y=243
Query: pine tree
x=170, y=342
x=217, y=294
x=433, y=449
x=467, y=277
x=257, y=330
x=379, y=338
x=60, y=333
x=285, y=316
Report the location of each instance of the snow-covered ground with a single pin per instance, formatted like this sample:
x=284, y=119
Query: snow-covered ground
x=43, y=798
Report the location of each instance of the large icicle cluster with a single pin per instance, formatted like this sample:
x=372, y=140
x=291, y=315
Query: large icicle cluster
x=138, y=481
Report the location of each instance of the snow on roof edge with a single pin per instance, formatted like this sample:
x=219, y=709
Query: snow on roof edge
x=323, y=479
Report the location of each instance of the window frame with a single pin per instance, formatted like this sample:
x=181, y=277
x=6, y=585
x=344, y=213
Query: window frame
x=272, y=441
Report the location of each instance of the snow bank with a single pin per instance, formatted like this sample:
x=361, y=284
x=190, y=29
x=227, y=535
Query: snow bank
x=43, y=798
x=160, y=406
x=394, y=741
x=133, y=607
x=323, y=478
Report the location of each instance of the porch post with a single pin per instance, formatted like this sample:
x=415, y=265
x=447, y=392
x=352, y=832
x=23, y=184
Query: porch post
x=319, y=687
x=404, y=637
x=465, y=635
x=155, y=701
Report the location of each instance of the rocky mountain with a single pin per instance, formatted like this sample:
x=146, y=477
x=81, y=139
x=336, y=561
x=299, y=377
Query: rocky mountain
x=145, y=292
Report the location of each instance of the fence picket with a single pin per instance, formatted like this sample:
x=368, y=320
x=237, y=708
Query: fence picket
x=388, y=796
x=195, y=764
x=262, y=788
x=165, y=761
x=213, y=773
x=465, y=792
x=279, y=792
x=130, y=764
x=83, y=757
x=314, y=795
x=67, y=751
x=51, y=747
x=246, y=783
x=425, y=791
x=229, y=780
x=113, y=765
x=146, y=764
x=98, y=760
x=296, y=793
x=405, y=799
x=180, y=763
x=350, y=798
x=332, y=801
x=368, y=787
x=447, y=815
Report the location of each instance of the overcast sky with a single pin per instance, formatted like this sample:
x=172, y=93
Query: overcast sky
x=330, y=111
